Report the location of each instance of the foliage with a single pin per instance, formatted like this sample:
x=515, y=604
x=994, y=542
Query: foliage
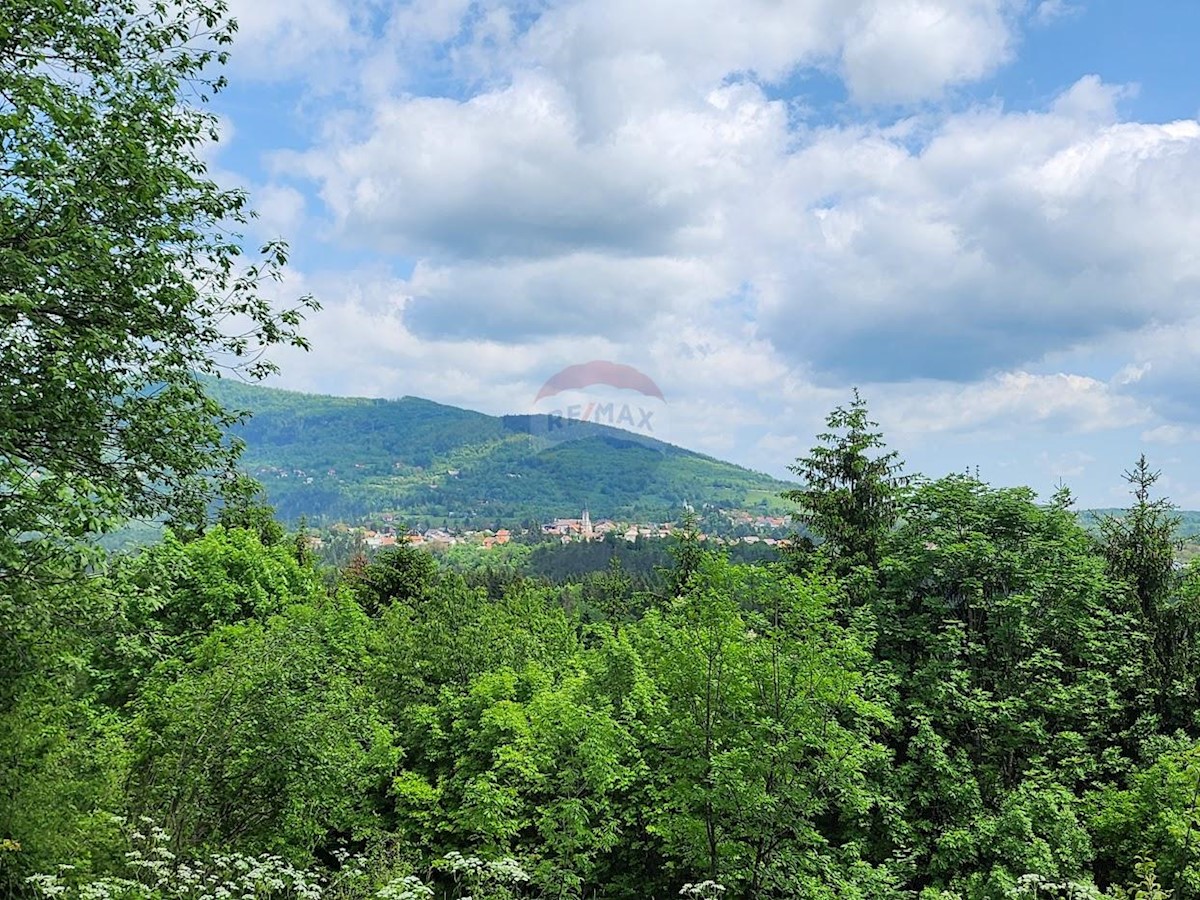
x=1140, y=547
x=121, y=275
x=268, y=737
x=849, y=488
x=120, y=270
x=400, y=574
x=1154, y=816
x=763, y=731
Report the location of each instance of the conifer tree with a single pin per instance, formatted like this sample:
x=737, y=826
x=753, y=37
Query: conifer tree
x=1140, y=545
x=850, y=487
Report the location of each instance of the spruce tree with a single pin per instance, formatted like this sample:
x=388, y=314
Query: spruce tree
x=850, y=485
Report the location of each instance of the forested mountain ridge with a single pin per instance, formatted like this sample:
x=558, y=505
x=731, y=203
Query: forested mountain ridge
x=337, y=457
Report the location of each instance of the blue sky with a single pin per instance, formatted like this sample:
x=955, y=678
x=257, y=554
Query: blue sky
x=983, y=213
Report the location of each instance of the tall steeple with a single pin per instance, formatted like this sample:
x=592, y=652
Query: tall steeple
x=587, y=525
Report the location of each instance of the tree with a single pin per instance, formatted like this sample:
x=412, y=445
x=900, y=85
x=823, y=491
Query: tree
x=762, y=735
x=267, y=737
x=1016, y=672
x=400, y=574
x=121, y=280
x=1139, y=547
x=850, y=487
x=687, y=553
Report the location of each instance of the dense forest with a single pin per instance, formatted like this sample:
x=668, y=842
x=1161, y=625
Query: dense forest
x=953, y=690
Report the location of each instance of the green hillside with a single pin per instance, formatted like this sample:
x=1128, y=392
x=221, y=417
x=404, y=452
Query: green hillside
x=331, y=458
x=1189, y=521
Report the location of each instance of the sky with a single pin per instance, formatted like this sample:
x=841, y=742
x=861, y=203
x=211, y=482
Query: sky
x=983, y=214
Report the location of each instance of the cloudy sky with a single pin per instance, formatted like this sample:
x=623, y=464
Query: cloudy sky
x=984, y=213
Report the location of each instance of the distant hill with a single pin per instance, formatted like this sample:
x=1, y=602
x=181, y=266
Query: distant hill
x=330, y=458
x=1188, y=531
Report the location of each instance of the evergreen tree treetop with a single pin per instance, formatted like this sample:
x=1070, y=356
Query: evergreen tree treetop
x=849, y=486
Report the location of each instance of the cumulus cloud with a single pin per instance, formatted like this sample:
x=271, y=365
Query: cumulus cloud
x=574, y=295
x=1167, y=359
x=288, y=38
x=1012, y=401
x=988, y=238
x=1048, y=12
x=999, y=238
x=899, y=51
x=506, y=173
x=1171, y=434
x=280, y=210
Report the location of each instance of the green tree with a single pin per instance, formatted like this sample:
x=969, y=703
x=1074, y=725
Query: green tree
x=849, y=488
x=400, y=574
x=1018, y=672
x=761, y=738
x=524, y=762
x=121, y=280
x=1155, y=816
x=62, y=761
x=687, y=553
x=268, y=738
x=167, y=599
x=1140, y=547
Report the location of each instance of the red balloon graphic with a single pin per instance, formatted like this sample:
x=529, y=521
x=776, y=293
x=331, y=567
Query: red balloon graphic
x=600, y=372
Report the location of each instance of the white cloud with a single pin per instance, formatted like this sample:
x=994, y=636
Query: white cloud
x=1049, y=12
x=1061, y=466
x=1167, y=354
x=905, y=50
x=998, y=238
x=277, y=39
x=626, y=53
x=888, y=50
x=280, y=210
x=506, y=173
x=575, y=295
x=1171, y=434
x=1006, y=235
x=1009, y=403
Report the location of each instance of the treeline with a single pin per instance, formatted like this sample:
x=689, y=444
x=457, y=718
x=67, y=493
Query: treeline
x=959, y=693
x=645, y=563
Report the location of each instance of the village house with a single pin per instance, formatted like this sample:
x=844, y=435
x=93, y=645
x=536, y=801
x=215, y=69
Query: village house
x=569, y=528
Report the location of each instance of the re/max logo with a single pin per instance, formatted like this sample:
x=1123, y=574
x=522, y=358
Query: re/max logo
x=601, y=414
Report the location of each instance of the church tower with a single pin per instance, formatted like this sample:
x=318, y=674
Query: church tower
x=587, y=525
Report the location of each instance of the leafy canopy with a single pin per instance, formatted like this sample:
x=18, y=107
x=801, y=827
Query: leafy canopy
x=121, y=276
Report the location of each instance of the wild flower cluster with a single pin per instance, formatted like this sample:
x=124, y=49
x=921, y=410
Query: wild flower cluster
x=500, y=878
x=157, y=873
x=410, y=887
x=1036, y=887
x=703, y=890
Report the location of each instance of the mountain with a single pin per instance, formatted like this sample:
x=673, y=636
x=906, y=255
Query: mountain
x=331, y=458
